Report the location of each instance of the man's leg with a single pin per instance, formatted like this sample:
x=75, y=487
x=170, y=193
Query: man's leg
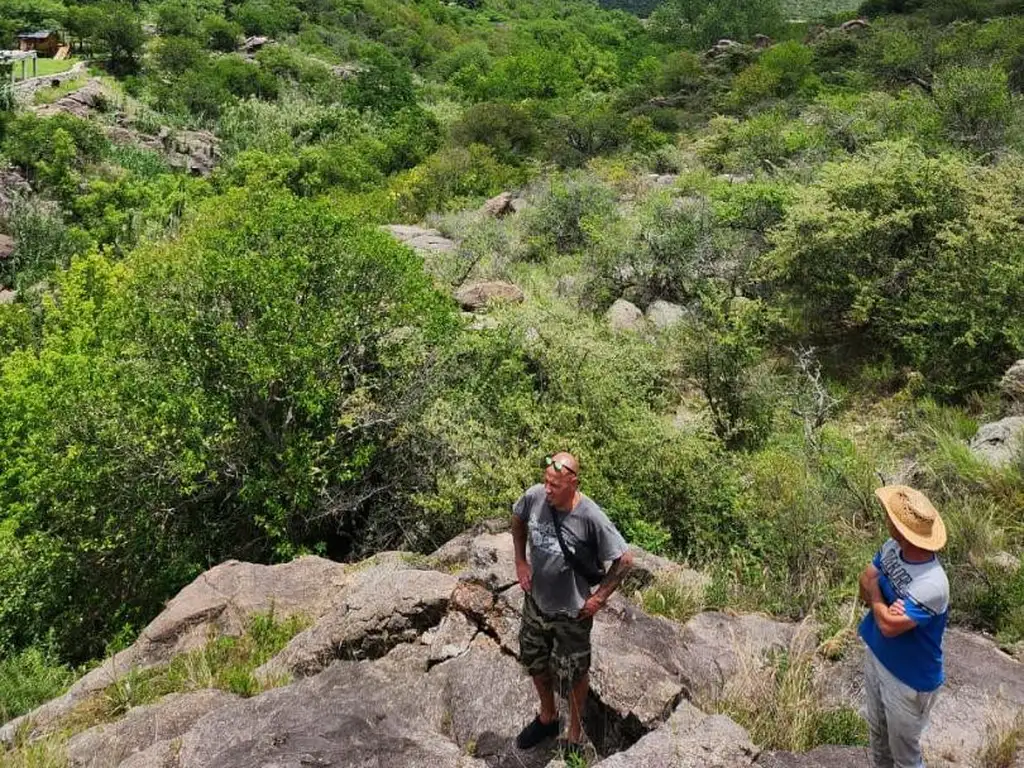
x=571, y=654
x=907, y=713
x=577, y=703
x=546, y=692
x=878, y=729
x=536, y=641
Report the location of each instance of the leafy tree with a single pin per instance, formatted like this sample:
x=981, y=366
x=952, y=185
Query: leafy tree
x=975, y=105
x=234, y=393
x=121, y=34
x=179, y=54
x=384, y=84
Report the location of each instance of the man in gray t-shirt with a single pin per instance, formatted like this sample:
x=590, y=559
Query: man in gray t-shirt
x=559, y=608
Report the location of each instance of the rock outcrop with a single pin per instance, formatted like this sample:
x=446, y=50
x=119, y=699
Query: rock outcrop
x=412, y=661
x=1000, y=442
x=1012, y=387
x=422, y=239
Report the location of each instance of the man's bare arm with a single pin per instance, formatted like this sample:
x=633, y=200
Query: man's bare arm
x=868, y=575
x=523, y=573
x=616, y=573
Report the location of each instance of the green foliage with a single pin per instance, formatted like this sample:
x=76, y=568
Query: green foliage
x=569, y=212
x=120, y=32
x=452, y=178
x=505, y=128
x=220, y=34
x=783, y=70
x=53, y=151
x=28, y=679
x=700, y=24
x=724, y=347
x=900, y=255
x=975, y=105
x=279, y=421
x=510, y=400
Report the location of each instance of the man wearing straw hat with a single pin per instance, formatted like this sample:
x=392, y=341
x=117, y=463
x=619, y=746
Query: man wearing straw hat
x=908, y=594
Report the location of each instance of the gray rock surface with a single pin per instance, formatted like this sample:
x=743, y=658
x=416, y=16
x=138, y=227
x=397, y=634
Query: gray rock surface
x=664, y=314
x=1000, y=442
x=716, y=645
x=354, y=714
x=625, y=316
x=8, y=297
x=478, y=295
x=499, y=206
x=381, y=607
x=110, y=744
x=689, y=739
x=427, y=241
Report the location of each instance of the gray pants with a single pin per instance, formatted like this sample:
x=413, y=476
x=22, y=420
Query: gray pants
x=897, y=716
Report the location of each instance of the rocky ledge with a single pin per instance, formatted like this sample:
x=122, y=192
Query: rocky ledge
x=411, y=661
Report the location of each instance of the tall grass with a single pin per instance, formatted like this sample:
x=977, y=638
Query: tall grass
x=781, y=704
x=28, y=679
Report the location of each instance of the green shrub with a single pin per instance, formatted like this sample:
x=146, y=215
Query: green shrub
x=567, y=213
x=505, y=128
x=896, y=254
x=783, y=70
x=699, y=24
x=975, y=105
x=510, y=400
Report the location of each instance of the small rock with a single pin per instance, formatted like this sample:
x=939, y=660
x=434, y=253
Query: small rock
x=8, y=297
x=1012, y=385
x=625, y=316
x=452, y=637
x=762, y=41
x=566, y=286
x=6, y=246
x=999, y=442
x=854, y=25
x=664, y=314
x=1004, y=561
x=476, y=296
x=734, y=178
x=662, y=179
x=499, y=206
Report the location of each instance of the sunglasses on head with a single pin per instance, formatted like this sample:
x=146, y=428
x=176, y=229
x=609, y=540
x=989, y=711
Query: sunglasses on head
x=551, y=461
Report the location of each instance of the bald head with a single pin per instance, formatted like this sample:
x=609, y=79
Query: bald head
x=560, y=484
x=568, y=460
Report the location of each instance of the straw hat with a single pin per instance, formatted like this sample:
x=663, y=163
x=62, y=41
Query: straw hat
x=914, y=516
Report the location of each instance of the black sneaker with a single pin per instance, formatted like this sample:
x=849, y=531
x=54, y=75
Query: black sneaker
x=536, y=732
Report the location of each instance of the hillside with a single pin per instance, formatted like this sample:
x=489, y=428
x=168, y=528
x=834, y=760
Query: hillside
x=288, y=279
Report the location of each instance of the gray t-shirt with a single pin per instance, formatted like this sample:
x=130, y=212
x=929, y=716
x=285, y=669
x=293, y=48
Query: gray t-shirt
x=588, y=534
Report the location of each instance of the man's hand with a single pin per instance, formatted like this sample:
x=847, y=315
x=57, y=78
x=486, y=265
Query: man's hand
x=594, y=604
x=524, y=575
x=898, y=608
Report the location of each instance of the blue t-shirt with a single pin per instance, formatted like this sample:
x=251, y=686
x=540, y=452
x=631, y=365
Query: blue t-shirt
x=915, y=657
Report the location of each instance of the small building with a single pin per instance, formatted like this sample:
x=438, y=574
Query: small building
x=45, y=42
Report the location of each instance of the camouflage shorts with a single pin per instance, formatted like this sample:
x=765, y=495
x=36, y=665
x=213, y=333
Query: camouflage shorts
x=559, y=644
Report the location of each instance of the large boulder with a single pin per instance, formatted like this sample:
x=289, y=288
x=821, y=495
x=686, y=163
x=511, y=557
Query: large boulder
x=479, y=295
x=625, y=316
x=1000, y=442
x=353, y=714
x=110, y=744
x=500, y=206
x=1012, y=386
x=689, y=739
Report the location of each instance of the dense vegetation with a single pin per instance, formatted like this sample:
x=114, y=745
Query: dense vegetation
x=243, y=365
